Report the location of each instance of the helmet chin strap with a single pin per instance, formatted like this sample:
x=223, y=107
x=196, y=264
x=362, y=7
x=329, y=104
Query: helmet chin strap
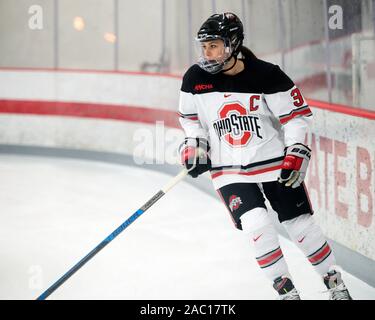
x=235, y=61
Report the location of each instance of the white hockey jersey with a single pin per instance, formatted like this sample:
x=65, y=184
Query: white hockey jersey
x=248, y=119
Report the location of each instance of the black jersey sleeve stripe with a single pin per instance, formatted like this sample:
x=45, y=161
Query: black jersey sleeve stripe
x=192, y=116
x=187, y=114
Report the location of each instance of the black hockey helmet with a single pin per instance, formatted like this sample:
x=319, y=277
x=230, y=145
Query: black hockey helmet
x=227, y=27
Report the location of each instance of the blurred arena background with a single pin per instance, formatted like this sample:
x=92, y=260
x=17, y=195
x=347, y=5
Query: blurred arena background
x=331, y=63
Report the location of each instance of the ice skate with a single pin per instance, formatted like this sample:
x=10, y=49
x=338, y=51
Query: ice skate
x=336, y=287
x=286, y=289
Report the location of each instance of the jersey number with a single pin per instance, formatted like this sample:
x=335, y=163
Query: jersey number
x=297, y=97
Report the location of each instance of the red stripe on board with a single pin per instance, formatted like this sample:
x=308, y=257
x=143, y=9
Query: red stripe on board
x=91, y=110
x=340, y=108
x=217, y=174
x=321, y=254
x=271, y=258
x=19, y=106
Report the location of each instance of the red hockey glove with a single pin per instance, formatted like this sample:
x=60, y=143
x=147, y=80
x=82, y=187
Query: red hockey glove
x=194, y=156
x=294, y=166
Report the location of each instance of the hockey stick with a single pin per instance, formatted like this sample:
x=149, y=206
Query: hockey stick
x=114, y=234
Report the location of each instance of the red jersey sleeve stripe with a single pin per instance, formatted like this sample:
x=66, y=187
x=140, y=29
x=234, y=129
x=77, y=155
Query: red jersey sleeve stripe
x=295, y=113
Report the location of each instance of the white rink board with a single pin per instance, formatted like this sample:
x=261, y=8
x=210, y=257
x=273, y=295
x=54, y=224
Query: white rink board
x=341, y=179
x=109, y=88
x=154, y=143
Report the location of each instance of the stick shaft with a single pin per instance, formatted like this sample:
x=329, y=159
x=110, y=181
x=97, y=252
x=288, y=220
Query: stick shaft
x=113, y=235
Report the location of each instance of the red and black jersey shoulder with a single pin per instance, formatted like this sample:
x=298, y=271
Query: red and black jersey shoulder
x=258, y=77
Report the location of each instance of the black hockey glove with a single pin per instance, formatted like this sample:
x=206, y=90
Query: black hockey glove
x=194, y=156
x=294, y=166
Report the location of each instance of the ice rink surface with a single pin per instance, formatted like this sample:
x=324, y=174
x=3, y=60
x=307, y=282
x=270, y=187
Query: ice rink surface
x=54, y=211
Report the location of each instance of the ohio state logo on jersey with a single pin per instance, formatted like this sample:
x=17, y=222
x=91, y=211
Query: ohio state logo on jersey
x=234, y=202
x=236, y=125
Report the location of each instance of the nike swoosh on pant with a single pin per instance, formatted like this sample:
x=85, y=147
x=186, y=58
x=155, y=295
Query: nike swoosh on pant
x=299, y=204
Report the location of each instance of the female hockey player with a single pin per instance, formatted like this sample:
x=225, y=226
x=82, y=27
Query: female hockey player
x=245, y=121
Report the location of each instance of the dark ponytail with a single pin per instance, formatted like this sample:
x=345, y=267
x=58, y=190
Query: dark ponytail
x=247, y=54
